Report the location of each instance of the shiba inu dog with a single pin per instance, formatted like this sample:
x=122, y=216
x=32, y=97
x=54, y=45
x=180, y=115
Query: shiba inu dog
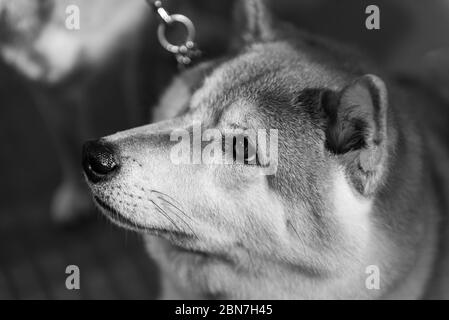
x=60, y=65
x=360, y=178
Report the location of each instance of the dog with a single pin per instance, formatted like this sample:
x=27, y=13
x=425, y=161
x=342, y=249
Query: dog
x=360, y=178
x=61, y=65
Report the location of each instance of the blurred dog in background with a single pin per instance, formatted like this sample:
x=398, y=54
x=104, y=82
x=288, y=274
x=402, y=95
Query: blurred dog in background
x=60, y=65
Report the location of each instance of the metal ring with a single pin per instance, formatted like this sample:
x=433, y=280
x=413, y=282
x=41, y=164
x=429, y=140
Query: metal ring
x=188, y=44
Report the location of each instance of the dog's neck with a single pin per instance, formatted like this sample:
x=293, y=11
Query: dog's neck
x=408, y=214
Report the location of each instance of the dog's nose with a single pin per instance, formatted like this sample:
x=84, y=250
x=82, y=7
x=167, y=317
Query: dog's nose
x=99, y=160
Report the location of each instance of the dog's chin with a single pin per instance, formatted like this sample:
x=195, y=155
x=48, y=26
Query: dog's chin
x=181, y=244
x=116, y=217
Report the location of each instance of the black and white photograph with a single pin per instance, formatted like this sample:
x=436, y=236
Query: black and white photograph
x=239, y=150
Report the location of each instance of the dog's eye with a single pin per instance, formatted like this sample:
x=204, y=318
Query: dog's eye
x=243, y=151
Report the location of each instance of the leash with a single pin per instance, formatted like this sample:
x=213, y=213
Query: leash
x=185, y=52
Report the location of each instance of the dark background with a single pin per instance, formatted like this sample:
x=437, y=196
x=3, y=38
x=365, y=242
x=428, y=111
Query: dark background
x=34, y=251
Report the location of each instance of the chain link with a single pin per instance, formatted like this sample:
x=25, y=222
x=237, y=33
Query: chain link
x=184, y=53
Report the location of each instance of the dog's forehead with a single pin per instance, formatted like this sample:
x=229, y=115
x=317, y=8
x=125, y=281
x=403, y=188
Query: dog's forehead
x=231, y=75
x=275, y=70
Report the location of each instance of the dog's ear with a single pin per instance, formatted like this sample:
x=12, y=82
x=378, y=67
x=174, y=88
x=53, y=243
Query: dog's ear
x=356, y=131
x=253, y=21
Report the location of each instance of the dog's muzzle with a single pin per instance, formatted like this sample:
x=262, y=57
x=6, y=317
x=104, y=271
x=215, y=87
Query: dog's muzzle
x=99, y=161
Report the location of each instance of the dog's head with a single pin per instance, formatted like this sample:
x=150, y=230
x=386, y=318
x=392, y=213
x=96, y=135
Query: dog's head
x=280, y=209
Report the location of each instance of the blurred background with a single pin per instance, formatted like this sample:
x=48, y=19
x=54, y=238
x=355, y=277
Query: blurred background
x=60, y=87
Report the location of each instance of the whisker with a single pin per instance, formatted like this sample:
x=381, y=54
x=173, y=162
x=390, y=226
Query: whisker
x=294, y=229
x=177, y=208
x=162, y=196
x=166, y=215
x=180, y=218
x=166, y=195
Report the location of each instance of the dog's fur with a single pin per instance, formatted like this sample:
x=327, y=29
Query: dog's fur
x=61, y=65
x=361, y=178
